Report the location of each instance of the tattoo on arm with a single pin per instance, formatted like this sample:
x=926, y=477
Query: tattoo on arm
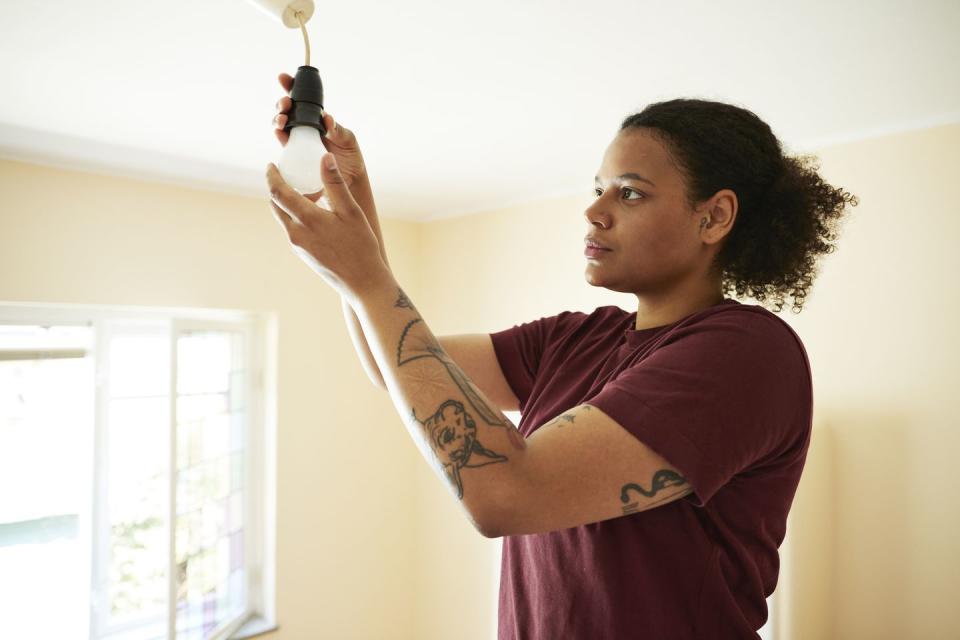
x=424, y=347
x=564, y=418
x=453, y=437
x=568, y=418
x=415, y=346
x=661, y=480
x=404, y=302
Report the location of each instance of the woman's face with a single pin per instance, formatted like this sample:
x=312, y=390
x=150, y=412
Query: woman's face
x=642, y=215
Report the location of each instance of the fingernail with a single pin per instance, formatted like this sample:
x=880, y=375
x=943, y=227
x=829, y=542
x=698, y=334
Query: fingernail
x=331, y=162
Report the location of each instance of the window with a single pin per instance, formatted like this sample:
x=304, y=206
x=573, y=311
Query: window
x=136, y=460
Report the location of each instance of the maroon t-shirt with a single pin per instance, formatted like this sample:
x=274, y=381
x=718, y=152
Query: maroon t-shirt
x=725, y=396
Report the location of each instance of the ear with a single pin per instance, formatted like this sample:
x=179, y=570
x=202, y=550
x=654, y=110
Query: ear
x=720, y=212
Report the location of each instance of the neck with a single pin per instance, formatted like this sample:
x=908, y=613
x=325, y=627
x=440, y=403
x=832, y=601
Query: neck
x=657, y=310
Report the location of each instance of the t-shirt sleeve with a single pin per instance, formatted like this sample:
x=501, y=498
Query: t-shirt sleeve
x=520, y=350
x=717, y=397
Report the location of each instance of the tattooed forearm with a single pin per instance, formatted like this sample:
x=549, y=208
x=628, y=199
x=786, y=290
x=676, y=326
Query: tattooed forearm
x=404, y=302
x=661, y=480
x=453, y=438
x=424, y=348
x=414, y=345
x=427, y=379
x=448, y=418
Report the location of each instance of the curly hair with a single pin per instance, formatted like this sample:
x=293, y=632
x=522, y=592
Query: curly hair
x=788, y=215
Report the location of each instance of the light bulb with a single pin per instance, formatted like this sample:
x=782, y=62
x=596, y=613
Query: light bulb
x=300, y=160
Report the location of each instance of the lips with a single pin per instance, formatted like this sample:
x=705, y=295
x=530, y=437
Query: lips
x=593, y=252
x=591, y=243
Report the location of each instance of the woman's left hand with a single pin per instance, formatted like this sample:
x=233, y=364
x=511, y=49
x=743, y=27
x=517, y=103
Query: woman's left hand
x=339, y=244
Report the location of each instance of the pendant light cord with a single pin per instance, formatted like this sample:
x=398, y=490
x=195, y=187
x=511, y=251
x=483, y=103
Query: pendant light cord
x=306, y=40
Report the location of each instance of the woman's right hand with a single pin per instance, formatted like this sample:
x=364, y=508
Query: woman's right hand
x=339, y=141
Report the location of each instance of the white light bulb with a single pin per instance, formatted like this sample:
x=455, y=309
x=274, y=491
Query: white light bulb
x=300, y=160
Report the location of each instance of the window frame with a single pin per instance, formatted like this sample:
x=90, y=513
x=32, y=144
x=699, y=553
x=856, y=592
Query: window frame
x=259, y=331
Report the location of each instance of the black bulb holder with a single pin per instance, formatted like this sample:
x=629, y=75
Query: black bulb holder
x=307, y=97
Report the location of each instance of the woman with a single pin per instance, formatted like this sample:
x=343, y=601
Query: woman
x=660, y=449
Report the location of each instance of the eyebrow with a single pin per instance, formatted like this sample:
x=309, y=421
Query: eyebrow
x=629, y=176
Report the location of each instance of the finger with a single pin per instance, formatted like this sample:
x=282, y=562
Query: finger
x=297, y=206
x=328, y=124
x=283, y=104
x=336, y=187
x=279, y=122
x=318, y=197
x=287, y=214
x=286, y=81
x=338, y=134
x=289, y=224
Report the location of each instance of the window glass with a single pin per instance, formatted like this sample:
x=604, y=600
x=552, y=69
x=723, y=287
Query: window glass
x=137, y=485
x=71, y=396
x=46, y=449
x=210, y=489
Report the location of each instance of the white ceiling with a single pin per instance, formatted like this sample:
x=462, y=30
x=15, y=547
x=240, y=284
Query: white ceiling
x=458, y=106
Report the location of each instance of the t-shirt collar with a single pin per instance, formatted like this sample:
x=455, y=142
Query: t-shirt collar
x=638, y=336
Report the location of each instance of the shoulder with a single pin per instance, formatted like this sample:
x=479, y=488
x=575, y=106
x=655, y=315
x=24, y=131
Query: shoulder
x=750, y=323
x=754, y=346
x=744, y=342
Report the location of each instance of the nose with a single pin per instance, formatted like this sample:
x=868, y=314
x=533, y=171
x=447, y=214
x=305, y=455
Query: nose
x=596, y=215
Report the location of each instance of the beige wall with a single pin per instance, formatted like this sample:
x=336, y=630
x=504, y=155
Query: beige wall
x=883, y=339
x=370, y=545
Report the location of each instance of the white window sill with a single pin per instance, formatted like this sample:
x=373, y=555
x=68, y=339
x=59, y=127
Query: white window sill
x=255, y=626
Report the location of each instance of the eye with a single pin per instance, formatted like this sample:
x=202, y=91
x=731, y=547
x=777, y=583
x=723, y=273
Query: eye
x=640, y=196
